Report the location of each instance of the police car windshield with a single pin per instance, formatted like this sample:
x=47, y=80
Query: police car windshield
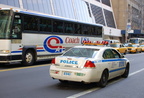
x=81, y=52
x=114, y=45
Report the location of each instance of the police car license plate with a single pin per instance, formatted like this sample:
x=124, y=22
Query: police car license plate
x=67, y=73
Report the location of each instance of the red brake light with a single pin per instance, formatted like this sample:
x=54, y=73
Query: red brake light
x=89, y=64
x=53, y=61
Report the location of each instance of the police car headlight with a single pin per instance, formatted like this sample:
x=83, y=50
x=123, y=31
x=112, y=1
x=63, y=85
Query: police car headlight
x=4, y=51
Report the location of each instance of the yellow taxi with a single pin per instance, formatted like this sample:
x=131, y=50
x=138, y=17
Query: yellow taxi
x=134, y=48
x=142, y=46
x=119, y=47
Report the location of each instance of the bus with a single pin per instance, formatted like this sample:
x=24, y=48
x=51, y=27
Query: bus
x=27, y=36
x=136, y=40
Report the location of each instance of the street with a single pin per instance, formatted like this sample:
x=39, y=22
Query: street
x=35, y=82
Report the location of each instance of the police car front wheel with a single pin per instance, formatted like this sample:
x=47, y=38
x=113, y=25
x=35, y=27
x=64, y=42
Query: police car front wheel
x=125, y=75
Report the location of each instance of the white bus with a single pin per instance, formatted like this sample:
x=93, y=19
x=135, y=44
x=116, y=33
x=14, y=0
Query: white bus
x=28, y=36
x=136, y=40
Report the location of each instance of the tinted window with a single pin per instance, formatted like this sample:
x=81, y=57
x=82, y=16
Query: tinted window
x=30, y=23
x=58, y=26
x=78, y=28
x=45, y=25
x=69, y=27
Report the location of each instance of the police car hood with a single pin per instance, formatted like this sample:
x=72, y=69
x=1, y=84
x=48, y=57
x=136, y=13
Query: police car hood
x=67, y=61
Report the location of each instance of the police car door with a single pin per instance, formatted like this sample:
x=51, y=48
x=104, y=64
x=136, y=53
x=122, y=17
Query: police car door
x=110, y=62
x=119, y=63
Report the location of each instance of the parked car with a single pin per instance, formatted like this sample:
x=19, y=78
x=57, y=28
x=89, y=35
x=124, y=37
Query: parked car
x=134, y=48
x=119, y=47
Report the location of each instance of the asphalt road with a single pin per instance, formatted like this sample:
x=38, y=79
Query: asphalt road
x=35, y=82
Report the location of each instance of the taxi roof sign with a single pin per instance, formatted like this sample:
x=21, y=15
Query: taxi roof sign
x=95, y=43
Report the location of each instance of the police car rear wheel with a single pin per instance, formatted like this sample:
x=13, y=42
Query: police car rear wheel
x=104, y=79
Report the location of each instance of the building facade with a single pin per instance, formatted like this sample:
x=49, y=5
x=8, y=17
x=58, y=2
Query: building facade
x=90, y=11
x=129, y=15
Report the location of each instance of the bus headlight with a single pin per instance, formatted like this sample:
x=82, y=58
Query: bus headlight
x=4, y=51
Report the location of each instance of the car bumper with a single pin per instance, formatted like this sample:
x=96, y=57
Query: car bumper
x=82, y=75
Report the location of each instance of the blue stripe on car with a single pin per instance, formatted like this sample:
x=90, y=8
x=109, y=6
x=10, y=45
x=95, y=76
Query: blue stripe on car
x=117, y=69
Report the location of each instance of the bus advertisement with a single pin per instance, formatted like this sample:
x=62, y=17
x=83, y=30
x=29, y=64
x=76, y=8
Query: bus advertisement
x=28, y=36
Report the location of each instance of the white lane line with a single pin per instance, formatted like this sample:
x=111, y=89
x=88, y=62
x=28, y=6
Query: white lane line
x=136, y=72
x=84, y=92
x=97, y=88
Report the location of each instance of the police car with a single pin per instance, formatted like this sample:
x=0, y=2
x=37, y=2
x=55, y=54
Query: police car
x=89, y=64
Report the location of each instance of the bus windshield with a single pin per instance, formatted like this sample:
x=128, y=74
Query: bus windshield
x=136, y=41
x=5, y=21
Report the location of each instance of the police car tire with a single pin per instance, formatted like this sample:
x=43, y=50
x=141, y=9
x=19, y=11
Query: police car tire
x=104, y=79
x=31, y=55
x=125, y=75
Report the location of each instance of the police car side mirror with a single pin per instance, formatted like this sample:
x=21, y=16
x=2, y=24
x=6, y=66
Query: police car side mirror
x=122, y=56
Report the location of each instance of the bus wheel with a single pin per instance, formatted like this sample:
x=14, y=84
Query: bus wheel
x=28, y=58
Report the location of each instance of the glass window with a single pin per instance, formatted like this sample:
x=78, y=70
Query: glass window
x=106, y=2
x=97, y=31
x=98, y=14
x=82, y=52
x=108, y=54
x=58, y=26
x=5, y=23
x=78, y=28
x=16, y=30
x=86, y=30
x=69, y=27
x=30, y=23
x=116, y=54
x=109, y=18
x=45, y=25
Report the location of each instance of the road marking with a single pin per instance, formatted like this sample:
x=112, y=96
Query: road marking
x=136, y=72
x=95, y=89
x=23, y=68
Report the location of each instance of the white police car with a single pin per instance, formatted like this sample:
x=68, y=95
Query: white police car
x=89, y=64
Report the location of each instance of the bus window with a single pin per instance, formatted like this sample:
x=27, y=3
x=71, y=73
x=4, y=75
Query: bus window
x=86, y=30
x=58, y=26
x=97, y=31
x=69, y=28
x=30, y=23
x=16, y=30
x=78, y=29
x=45, y=25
